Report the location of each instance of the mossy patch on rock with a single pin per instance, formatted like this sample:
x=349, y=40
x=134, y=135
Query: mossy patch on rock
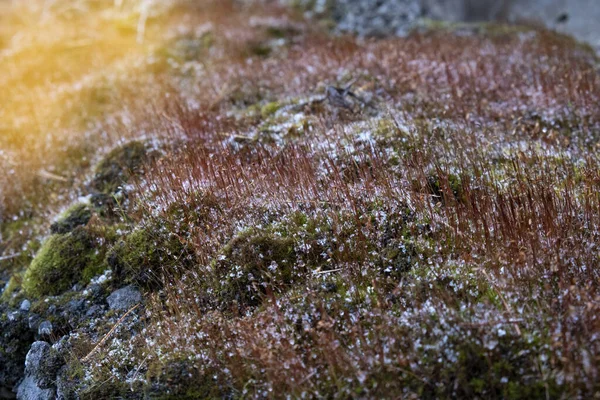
x=253, y=261
x=119, y=165
x=64, y=260
x=77, y=215
x=143, y=255
x=15, y=339
x=11, y=292
x=269, y=109
x=182, y=380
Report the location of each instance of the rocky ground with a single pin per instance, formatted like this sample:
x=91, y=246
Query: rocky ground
x=375, y=17
x=225, y=199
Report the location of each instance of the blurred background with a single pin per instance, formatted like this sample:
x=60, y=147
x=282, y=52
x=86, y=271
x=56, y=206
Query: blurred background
x=381, y=17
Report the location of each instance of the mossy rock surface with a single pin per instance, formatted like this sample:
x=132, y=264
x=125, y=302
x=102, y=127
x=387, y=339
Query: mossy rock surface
x=15, y=339
x=119, y=165
x=144, y=254
x=64, y=260
x=253, y=261
x=77, y=215
x=180, y=379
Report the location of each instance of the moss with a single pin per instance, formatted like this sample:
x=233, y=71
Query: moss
x=181, y=379
x=260, y=49
x=119, y=165
x=144, y=254
x=442, y=185
x=180, y=50
x=281, y=32
x=77, y=215
x=269, y=109
x=15, y=340
x=11, y=290
x=253, y=261
x=108, y=389
x=62, y=261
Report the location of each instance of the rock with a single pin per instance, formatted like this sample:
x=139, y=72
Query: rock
x=15, y=339
x=398, y=17
x=45, y=328
x=29, y=390
x=25, y=305
x=42, y=365
x=34, y=322
x=34, y=386
x=33, y=361
x=376, y=17
x=94, y=311
x=124, y=298
x=75, y=306
x=75, y=216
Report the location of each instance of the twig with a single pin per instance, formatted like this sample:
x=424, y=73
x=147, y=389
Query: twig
x=486, y=323
x=141, y=26
x=326, y=272
x=137, y=370
x=506, y=305
x=49, y=175
x=105, y=338
x=10, y=257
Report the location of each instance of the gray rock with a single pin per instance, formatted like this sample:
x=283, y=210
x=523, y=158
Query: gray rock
x=15, y=340
x=376, y=17
x=25, y=305
x=37, y=353
x=94, y=311
x=29, y=390
x=34, y=322
x=75, y=306
x=35, y=368
x=398, y=17
x=45, y=328
x=124, y=298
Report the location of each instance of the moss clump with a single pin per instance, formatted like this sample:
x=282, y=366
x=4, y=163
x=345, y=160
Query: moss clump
x=118, y=166
x=253, y=261
x=15, y=340
x=143, y=255
x=11, y=289
x=260, y=49
x=64, y=260
x=269, y=109
x=77, y=215
x=181, y=50
x=438, y=186
x=181, y=379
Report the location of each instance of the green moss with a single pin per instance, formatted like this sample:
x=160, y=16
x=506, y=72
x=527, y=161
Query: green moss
x=442, y=185
x=253, y=261
x=12, y=288
x=18, y=242
x=281, y=32
x=180, y=50
x=180, y=379
x=146, y=253
x=259, y=49
x=107, y=389
x=119, y=165
x=77, y=215
x=62, y=261
x=269, y=109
